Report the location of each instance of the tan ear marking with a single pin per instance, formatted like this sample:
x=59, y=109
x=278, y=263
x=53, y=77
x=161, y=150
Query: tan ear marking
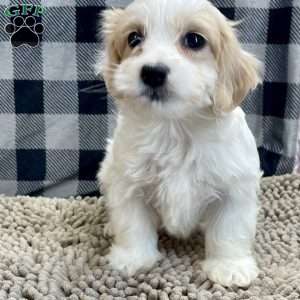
x=112, y=55
x=238, y=70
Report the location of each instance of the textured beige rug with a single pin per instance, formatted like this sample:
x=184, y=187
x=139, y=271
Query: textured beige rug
x=53, y=249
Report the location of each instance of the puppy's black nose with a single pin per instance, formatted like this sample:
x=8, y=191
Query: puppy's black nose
x=154, y=76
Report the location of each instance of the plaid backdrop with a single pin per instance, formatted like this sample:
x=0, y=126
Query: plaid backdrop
x=55, y=114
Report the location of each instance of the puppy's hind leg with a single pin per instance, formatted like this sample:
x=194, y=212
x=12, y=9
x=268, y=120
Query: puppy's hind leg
x=230, y=235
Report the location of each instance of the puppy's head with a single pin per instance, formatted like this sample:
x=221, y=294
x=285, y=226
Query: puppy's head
x=176, y=57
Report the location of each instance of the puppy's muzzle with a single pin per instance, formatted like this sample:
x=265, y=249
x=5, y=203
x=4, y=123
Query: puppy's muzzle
x=155, y=78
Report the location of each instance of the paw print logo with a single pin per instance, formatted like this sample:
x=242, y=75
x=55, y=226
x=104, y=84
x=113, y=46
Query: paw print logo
x=24, y=31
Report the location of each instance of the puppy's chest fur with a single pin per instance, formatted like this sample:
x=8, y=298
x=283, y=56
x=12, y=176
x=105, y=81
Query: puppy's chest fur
x=175, y=169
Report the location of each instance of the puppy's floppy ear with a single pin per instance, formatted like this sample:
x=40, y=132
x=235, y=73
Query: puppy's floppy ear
x=238, y=71
x=110, y=56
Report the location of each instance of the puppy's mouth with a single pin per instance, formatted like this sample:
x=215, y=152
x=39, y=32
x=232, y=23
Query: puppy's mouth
x=156, y=95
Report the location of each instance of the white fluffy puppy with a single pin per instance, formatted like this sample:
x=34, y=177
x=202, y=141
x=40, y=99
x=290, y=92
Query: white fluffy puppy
x=182, y=154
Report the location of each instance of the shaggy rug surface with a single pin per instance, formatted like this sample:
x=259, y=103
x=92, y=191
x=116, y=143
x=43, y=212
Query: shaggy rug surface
x=54, y=248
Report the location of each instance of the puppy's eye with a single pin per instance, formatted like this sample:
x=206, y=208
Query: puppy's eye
x=194, y=41
x=134, y=39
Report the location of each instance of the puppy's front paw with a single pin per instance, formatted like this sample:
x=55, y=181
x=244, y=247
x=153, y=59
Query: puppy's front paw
x=132, y=260
x=229, y=272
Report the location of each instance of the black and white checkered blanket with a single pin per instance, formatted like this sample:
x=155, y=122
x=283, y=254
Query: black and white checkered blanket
x=55, y=115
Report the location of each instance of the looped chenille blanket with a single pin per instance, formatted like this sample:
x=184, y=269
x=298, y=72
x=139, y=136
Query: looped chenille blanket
x=54, y=249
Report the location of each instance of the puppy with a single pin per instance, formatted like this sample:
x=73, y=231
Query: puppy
x=182, y=154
